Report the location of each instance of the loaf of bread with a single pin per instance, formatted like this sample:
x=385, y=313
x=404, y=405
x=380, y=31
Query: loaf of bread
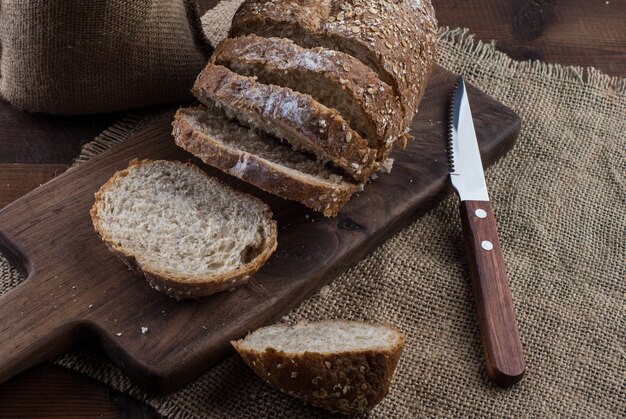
x=289, y=115
x=189, y=234
x=395, y=38
x=333, y=78
x=337, y=81
x=342, y=366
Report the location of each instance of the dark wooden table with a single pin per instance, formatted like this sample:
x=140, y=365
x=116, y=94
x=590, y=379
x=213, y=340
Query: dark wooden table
x=35, y=148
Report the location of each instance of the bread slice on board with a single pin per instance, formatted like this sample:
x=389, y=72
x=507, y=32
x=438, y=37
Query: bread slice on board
x=335, y=79
x=260, y=160
x=397, y=39
x=291, y=116
x=342, y=366
x=189, y=234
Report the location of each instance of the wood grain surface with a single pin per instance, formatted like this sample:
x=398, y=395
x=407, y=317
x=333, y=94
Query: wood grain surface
x=18, y=178
x=496, y=315
x=77, y=291
x=577, y=32
x=573, y=32
x=50, y=391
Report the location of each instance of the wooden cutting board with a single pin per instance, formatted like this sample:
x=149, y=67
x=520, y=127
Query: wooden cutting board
x=77, y=292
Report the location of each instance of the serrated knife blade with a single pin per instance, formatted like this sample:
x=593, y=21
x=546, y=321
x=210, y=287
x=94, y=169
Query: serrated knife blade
x=466, y=166
x=502, y=346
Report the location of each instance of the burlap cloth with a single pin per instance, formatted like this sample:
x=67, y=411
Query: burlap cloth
x=559, y=197
x=89, y=56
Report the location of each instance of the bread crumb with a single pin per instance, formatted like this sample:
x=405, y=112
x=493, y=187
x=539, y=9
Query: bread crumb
x=144, y=330
x=119, y=333
x=90, y=305
x=387, y=165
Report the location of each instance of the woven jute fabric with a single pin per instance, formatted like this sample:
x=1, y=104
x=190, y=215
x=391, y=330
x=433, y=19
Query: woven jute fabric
x=559, y=198
x=90, y=56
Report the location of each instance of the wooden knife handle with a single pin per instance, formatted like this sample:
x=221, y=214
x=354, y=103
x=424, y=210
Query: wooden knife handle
x=496, y=315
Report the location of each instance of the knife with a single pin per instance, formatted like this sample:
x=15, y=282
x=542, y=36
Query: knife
x=496, y=316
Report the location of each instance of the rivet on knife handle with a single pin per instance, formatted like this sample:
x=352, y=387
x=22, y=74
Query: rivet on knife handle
x=496, y=316
x=494, y=307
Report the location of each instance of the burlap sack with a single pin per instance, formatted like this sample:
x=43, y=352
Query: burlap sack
x=559, y=198
x=92, y=56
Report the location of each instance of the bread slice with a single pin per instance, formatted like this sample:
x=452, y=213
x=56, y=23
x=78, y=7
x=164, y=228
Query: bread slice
x=342, y=366
x=333, y=78
x=291, y=116
x=189, y=234
x=260, y=160
x=395, y=39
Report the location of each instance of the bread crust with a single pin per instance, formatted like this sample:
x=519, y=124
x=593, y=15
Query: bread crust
x=326, y=198
x=398, y=37
x=176, y=286
x=279, y=109
x=272, y=59
x=342, y=382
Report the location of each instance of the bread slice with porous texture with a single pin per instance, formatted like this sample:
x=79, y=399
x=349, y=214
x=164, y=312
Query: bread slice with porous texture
x=342, y=366
x=189, y=234
x=260, y=160
x=333, y=78
x=291, y=116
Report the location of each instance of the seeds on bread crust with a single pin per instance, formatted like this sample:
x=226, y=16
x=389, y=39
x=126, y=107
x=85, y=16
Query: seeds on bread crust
x=397, y=39
x=342, y=366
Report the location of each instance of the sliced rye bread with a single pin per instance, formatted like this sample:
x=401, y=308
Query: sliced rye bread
x=260, y=160
x=342, y=366
x=395, y=39
x=333, y=78
x=291, y=116
x=189, y=234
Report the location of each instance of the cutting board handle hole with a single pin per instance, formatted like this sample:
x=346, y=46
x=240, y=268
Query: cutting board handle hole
x=16, y=258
